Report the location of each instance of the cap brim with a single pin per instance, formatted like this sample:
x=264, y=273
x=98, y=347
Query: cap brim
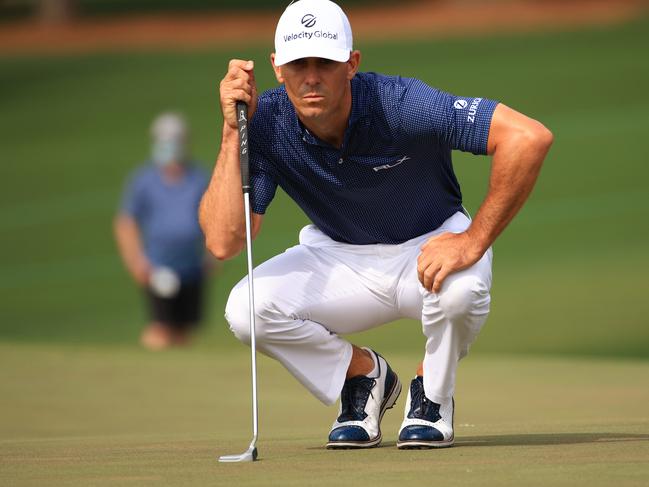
x=340, y=55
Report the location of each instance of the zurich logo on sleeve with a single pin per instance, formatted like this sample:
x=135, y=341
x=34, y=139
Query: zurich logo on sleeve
x=460, y=104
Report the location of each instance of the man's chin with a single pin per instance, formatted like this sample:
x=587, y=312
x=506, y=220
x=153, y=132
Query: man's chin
x=311, y=110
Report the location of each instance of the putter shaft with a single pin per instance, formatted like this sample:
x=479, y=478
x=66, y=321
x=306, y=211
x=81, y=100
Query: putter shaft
x=242, y=117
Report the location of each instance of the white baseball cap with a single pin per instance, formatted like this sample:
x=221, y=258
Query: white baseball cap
x=313, y=28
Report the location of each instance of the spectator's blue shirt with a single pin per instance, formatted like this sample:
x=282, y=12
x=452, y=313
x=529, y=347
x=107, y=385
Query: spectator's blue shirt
x=167, y=215
x=392, y=179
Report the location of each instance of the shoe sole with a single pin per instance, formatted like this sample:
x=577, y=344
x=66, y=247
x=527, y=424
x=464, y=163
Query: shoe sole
x=388, y=404
x=425, y=445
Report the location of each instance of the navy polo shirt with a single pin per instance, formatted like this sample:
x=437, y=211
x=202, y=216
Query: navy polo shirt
x=392, y=180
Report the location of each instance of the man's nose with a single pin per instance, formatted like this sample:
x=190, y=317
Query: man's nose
x=312, y=75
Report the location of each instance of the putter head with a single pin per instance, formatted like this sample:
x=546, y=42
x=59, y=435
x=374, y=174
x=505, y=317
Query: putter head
x=250, y=455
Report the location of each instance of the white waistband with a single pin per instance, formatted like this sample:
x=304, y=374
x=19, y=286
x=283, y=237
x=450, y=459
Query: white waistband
x=312, y=236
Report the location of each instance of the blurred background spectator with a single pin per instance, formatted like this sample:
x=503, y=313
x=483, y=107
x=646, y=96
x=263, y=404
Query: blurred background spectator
x=158, y=236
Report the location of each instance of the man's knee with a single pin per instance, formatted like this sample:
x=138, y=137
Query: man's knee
x=237, y=313
x=463, y=296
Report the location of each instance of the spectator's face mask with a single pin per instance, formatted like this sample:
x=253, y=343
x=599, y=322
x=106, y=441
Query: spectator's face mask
x=165, y=152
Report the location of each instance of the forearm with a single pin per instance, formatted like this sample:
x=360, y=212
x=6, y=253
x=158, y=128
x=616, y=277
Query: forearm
x=129, y=244
x=221, y=212
x=515, y=167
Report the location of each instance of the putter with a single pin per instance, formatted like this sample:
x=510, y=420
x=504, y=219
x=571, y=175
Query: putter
x=250, y=455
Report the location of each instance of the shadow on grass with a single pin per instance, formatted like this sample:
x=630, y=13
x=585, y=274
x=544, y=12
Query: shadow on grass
x=529, y=440
x=548, y=439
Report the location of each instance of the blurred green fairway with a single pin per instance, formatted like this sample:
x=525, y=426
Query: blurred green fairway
x=99, y=417
x=570, y=272
x=554, y=393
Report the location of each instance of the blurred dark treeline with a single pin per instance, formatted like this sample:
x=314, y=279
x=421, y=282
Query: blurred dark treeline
x=61, y=11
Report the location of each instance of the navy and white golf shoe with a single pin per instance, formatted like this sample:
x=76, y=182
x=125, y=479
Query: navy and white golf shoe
x=426, y=424
x=363, y=401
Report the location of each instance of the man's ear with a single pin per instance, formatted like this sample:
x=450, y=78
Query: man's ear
x=277, y=69
x=353, y=64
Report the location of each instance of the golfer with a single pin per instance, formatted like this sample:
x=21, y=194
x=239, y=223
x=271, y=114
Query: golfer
x=368, y=158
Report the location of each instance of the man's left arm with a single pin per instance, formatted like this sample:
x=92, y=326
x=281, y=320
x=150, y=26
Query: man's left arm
x=518, y=145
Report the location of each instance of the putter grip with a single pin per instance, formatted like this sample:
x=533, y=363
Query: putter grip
x=242, y=120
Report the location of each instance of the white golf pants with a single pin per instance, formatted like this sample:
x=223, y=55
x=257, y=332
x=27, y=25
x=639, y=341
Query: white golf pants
x=308, y=296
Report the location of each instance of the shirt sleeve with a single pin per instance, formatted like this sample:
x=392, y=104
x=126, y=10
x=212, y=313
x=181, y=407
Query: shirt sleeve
x=132, y=203
x=263, y=185
x=459, y=122
x=262, y=181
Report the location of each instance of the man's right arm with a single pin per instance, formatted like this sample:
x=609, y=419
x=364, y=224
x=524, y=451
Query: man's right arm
x=221, y=213
x=129, y=243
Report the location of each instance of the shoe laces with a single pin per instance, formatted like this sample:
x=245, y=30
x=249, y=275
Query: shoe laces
x=353, y=398
x=420, y=406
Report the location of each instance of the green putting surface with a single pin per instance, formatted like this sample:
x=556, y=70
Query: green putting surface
x=120, y=416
